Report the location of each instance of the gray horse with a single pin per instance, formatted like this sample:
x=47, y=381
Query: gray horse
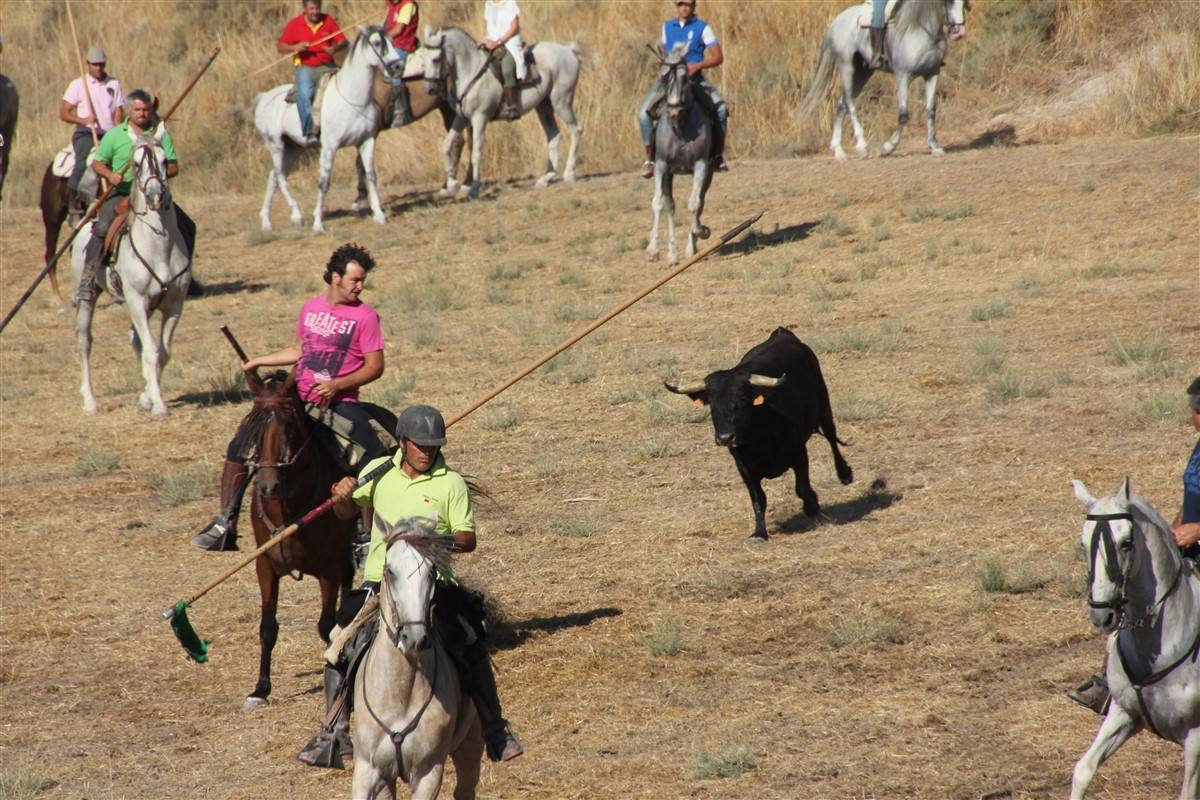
x=915, y=47
x=682, y=145
x=476, y=97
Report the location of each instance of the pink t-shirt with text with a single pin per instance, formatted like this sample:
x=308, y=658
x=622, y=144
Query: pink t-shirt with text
x=107, y=96
x=334, y=340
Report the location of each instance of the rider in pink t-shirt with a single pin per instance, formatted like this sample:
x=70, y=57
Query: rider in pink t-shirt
x=338, y=348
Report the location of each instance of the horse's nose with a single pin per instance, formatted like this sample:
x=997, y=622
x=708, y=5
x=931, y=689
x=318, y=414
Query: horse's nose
x=1104, y=618
x=269, y=487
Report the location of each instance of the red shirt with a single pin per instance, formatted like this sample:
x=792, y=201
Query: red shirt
x=406, y=39
x=299, y=30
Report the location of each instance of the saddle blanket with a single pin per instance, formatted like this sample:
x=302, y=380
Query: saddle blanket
x=64, y=163
x=864, y=14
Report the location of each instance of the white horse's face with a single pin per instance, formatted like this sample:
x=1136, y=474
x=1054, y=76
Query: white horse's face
x=383, y=53
x=679, y=95
x=150, y=172
x=1110, y=547
x=409, y=577
x=435, y=59
x=956, y=18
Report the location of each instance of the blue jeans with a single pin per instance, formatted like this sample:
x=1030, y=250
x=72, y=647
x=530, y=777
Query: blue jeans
x=306, y=87
x=646, y=123
x=877, y=12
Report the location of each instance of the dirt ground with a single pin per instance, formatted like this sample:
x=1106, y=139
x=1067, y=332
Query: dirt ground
x=991, y=325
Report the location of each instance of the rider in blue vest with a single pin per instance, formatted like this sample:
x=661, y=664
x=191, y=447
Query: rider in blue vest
x=703, y=52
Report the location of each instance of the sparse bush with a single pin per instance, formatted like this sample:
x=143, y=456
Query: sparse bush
x=856, y=407
x=1010, y=386
x=22, y=784
x=995, y=579
x=985, y=357
x=500, y=418
x=94, y=461
x=665, y=638
x=183, y=486
x=578, y=527
x=725, y=764
x=993, y=309
x=858, y=628
x=1102, y=269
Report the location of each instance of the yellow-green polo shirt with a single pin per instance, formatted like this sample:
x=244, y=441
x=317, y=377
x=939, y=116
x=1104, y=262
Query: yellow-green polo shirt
x=441, y=492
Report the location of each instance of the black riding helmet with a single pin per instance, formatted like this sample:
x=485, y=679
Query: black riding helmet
x=422, y=425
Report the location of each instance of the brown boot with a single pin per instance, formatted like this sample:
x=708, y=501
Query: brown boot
x=877, y=45
x=648, y=165
x=221, y=533
x=512, y=102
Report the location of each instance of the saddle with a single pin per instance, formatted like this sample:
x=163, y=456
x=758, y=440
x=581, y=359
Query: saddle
x=115, y=231
x=324, y=74
x=333, y=432
x=532, y=76
x=864, y=14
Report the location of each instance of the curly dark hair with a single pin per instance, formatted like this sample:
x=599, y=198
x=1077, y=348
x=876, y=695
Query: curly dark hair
x=1194, y=395
x=343, y=256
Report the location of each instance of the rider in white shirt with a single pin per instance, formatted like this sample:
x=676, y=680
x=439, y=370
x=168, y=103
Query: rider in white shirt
x=504, y=30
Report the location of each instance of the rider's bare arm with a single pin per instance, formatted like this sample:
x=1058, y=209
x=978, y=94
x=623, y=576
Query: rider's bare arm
x=280, y=358
x=371, y=369
x=106, y=172
x=343, y=506
x=511, y=32
x=66, y=112
x=464, y=541
x=713, y=57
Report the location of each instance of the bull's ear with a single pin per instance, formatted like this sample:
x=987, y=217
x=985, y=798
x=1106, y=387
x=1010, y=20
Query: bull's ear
x=699, y=400
x=758, y=400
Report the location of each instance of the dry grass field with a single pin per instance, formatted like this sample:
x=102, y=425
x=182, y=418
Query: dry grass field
x=990, y=324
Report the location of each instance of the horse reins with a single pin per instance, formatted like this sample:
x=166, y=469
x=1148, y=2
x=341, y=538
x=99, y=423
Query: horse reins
x=459, y=97
x=138, y=215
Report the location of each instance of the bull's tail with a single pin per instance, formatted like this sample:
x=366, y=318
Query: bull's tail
x=821, y=82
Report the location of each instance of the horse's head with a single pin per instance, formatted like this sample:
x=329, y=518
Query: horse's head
x=414, y=553
x=435, y=59
x=150, y=191
x=382, y=52
x=276, y=427
x=1109, y=539
x=956, y=17
x=678, y=87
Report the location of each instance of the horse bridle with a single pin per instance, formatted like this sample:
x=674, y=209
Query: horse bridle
x=155, y=174
x=443, y=81
x=274, y=403
x=1119, y=576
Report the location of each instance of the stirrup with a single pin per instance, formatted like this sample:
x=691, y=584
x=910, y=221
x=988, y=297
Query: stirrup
x=329, y=749
x=648, y=169
x=1093, y=694
x=503, y=745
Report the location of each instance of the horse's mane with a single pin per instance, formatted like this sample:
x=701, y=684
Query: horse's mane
x=255, y=422
x=362, y=37
x=927, y=14
x=456, y=29
x=1148, y=515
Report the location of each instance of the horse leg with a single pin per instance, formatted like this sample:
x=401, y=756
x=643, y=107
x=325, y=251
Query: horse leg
x=668, y=181
x=545, y=113
x=426, y=779
x=1191, y=765
x=467, y=757
x=931, y=115
x=475, y=169
x=151, y=397
x=452, y=146
x=656, y=206
x=857, y=80
x=1117, y=727
x=366, y=153
x=329, y=598
x=562, y=106
x=360, y=197
x=268, y=629
x=83, y=336
x=327, y=154
x=701, y=177
x=172, y=310
x=369, y=783
x=835, y=144
x=902, y=79
x=286, y=162
x=54, y=201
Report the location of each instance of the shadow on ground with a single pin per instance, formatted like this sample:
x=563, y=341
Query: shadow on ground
x=505, y=635
x=231, y=287
x=1004, y=136
x=214, y=398
x=842, y=513
x=756, y=240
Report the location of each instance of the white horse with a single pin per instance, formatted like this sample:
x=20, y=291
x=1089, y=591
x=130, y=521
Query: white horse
x=1141, y=588
x=915, y=46
x=477, y=97
x=411, y=710
x=682, y=145
x=349, y=117
x=151, y=272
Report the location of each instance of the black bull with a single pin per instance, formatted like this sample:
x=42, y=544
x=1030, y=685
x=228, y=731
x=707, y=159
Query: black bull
x=764, y=410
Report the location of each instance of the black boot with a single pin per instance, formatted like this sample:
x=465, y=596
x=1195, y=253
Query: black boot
x=1092, y=694
x=719, y=164
x=87, y=290
x=221, y=533
x=512, y=102
x=502, y=744
x=877, y=46
x=648, y=166
x=401, y=110
x=331, y=747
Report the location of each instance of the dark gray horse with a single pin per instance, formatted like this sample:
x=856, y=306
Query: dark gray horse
x=682, y=145
x=8, y=124
x=915, y=47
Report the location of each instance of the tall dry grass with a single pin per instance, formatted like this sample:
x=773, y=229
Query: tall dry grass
x=1015, y=53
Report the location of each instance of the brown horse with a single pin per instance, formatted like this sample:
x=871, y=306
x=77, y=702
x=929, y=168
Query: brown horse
x=291, y=471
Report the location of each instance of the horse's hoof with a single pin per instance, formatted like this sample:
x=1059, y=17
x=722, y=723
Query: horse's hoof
x=159, y=413
x=569, y=178
x=318, y=228
x=144, y=404
x=544, y=181
x=252, y=702
x=61, y=310
x=380, y=219
x=89, y=408
x=755, y=538
x=886, y=150
x=937, y=151
x=652, y=256
x=704, y=232
x=861, y=151
x=357, y=205
x=297, y=220
x=840, y=155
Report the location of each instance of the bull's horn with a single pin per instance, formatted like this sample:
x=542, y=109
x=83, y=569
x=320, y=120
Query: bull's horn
x=687, y=388
x=766, y=380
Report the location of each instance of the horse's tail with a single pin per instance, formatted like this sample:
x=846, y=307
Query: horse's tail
x=582, y=52
x=820, y=83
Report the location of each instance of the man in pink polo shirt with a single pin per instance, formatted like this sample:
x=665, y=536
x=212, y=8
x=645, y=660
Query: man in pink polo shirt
x=313, y=37
x=338, y=348
x=103, y=92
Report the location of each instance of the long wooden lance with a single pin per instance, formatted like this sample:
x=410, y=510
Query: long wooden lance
x=197, y=648
x=83, y=77
x=322, y=40
x=95, y=209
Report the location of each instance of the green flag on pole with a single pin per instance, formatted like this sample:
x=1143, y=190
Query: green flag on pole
x=197, y=648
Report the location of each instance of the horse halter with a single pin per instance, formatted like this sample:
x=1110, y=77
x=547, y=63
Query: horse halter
x=394, y=628
x=275, y=403
x=1118, y=576
x=152, y=172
